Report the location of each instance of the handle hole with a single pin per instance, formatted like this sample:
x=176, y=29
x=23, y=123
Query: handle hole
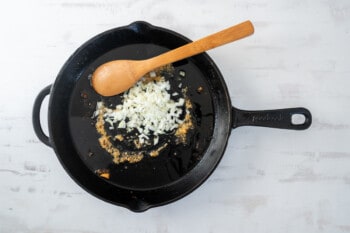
x=298, y=119
x=43, y=115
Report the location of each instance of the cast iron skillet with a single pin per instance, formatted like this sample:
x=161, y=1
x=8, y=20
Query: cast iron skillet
x=179, y=169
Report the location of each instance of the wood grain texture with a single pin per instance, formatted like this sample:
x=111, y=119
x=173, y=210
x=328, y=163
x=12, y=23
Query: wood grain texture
x=268, y=180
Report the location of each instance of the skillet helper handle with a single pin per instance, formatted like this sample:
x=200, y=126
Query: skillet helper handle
x=279, y=118
x=36, y=116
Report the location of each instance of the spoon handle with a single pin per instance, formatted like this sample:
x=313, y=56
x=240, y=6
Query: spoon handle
x=225, y=36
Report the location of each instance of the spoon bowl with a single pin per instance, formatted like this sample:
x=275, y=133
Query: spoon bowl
x=117, y=76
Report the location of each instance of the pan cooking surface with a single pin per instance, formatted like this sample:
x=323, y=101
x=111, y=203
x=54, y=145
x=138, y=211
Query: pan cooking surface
x=151, y=172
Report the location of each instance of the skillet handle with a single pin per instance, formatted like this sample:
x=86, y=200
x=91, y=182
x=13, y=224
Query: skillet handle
x=279, y=118
x=36, y=116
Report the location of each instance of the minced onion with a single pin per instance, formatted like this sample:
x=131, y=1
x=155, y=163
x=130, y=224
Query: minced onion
x=147, y=107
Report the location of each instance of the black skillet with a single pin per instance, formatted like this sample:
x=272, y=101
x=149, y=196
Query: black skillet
x=179, y=169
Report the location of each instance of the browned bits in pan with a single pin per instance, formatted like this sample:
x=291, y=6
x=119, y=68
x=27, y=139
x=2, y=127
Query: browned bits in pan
x=156, y=152
x=104, y=173
x=199, y=89
x=183, y=129
x=119, y=137
x=104, y=140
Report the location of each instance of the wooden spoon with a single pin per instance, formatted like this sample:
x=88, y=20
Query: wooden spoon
x=117, y=76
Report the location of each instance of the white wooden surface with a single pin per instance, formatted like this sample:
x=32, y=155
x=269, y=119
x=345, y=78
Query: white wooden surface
x=268, y=181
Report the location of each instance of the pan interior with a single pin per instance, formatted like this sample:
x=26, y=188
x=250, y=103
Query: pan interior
x=151, y=172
